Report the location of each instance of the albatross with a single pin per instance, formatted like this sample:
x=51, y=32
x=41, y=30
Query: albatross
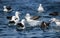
x=7, y=8
x=21, y=25
x=54, y=14
x=57, y=21
x=30, y=21
x=32, y=17
x=15, y=19
x=40, y=8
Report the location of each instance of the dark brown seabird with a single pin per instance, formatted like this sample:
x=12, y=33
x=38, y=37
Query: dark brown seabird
x=54, y=14
x=7, y=8
x=44, y=25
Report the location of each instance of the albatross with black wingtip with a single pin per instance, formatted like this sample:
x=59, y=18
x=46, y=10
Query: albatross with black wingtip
x=40, y=8
x=30, y=21
x=7, y=8
x=15, y=19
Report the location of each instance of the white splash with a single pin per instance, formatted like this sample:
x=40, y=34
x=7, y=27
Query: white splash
x=40, y=8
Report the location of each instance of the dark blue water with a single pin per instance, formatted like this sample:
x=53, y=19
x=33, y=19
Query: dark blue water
x=28, y=6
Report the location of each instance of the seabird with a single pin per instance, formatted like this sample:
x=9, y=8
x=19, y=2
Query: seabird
x=21, y=25
x=44, y=25
x=40, y=8
x=15, y=18
x=54, y=14
x=32, y=17
x=7, y=8
x=57, y=21
x=30, y=21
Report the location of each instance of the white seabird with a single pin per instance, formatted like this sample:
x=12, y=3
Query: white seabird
x=44, y=25
x=7, y=9
x=15, y=19
x=12, y=21
x=21, y=25
x=30, y=21
x=32, y=17
x=57, y=21
x=40, y=8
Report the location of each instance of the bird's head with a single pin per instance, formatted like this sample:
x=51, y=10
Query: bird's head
x=17, y=13
x=52, y=20
x=4, y=6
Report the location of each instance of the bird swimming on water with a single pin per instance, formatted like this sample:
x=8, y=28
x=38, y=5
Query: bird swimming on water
x=30, y=21
x=21, y=24
x=40, y=8
x=57, y=21
x=7, y=8
x=15, y=19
